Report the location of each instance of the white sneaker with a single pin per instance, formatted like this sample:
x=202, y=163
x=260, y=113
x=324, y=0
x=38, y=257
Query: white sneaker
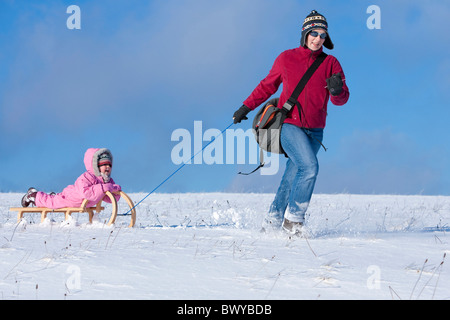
x=292, y=228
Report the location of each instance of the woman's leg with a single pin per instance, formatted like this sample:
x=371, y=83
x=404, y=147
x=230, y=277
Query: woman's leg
x=297, y=184
x=275, y=217
x=302, y=146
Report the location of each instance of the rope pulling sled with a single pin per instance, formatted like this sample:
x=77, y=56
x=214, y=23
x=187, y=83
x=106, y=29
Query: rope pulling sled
x=98, y=208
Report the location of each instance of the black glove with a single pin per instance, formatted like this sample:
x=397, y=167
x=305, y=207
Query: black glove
x=334, y=84
x=241, y=114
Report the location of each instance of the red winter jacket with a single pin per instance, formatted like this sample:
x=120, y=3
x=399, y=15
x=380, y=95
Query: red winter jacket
x=288, y=69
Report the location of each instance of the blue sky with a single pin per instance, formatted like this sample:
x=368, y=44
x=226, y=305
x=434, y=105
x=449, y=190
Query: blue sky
x=138, y=70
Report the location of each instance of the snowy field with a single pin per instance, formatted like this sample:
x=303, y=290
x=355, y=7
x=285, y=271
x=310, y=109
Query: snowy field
x=209, y=246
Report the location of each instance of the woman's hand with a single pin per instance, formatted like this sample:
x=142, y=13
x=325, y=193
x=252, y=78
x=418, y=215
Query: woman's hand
x=241, y=114
x=334, y=84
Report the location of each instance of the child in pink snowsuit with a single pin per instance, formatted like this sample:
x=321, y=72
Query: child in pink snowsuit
x=91, y=185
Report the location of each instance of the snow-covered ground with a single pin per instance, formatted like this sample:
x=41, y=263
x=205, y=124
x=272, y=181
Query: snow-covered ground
x=209, y=246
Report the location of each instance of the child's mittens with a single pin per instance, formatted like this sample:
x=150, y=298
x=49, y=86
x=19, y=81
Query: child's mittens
x=111, y=187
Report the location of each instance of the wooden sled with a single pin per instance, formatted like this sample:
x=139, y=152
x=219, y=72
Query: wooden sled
x=90, y=210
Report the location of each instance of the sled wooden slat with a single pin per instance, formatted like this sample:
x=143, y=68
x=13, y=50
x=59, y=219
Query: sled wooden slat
x=90, y=210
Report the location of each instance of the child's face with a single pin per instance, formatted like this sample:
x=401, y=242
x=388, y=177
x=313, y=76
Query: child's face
x=106, y=169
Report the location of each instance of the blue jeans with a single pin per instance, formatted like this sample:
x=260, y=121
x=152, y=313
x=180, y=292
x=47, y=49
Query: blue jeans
x=297, y=184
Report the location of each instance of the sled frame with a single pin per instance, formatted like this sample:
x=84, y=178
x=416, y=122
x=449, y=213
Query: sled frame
x=83, y=208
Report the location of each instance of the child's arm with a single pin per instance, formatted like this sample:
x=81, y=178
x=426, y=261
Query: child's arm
x=88, y=188
x=112, y=187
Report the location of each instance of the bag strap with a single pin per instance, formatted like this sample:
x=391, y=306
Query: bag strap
x=292, y=101
x=261, y=163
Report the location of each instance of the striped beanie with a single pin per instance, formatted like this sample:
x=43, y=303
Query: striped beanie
x=312, y=21
x=104, y=158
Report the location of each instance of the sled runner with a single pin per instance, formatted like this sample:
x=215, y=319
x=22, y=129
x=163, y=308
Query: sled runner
x=90, y=210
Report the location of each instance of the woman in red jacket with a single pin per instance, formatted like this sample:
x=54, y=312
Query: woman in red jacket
x=302, y=132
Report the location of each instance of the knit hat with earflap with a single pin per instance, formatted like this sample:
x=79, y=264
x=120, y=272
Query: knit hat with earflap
x=312, y=21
